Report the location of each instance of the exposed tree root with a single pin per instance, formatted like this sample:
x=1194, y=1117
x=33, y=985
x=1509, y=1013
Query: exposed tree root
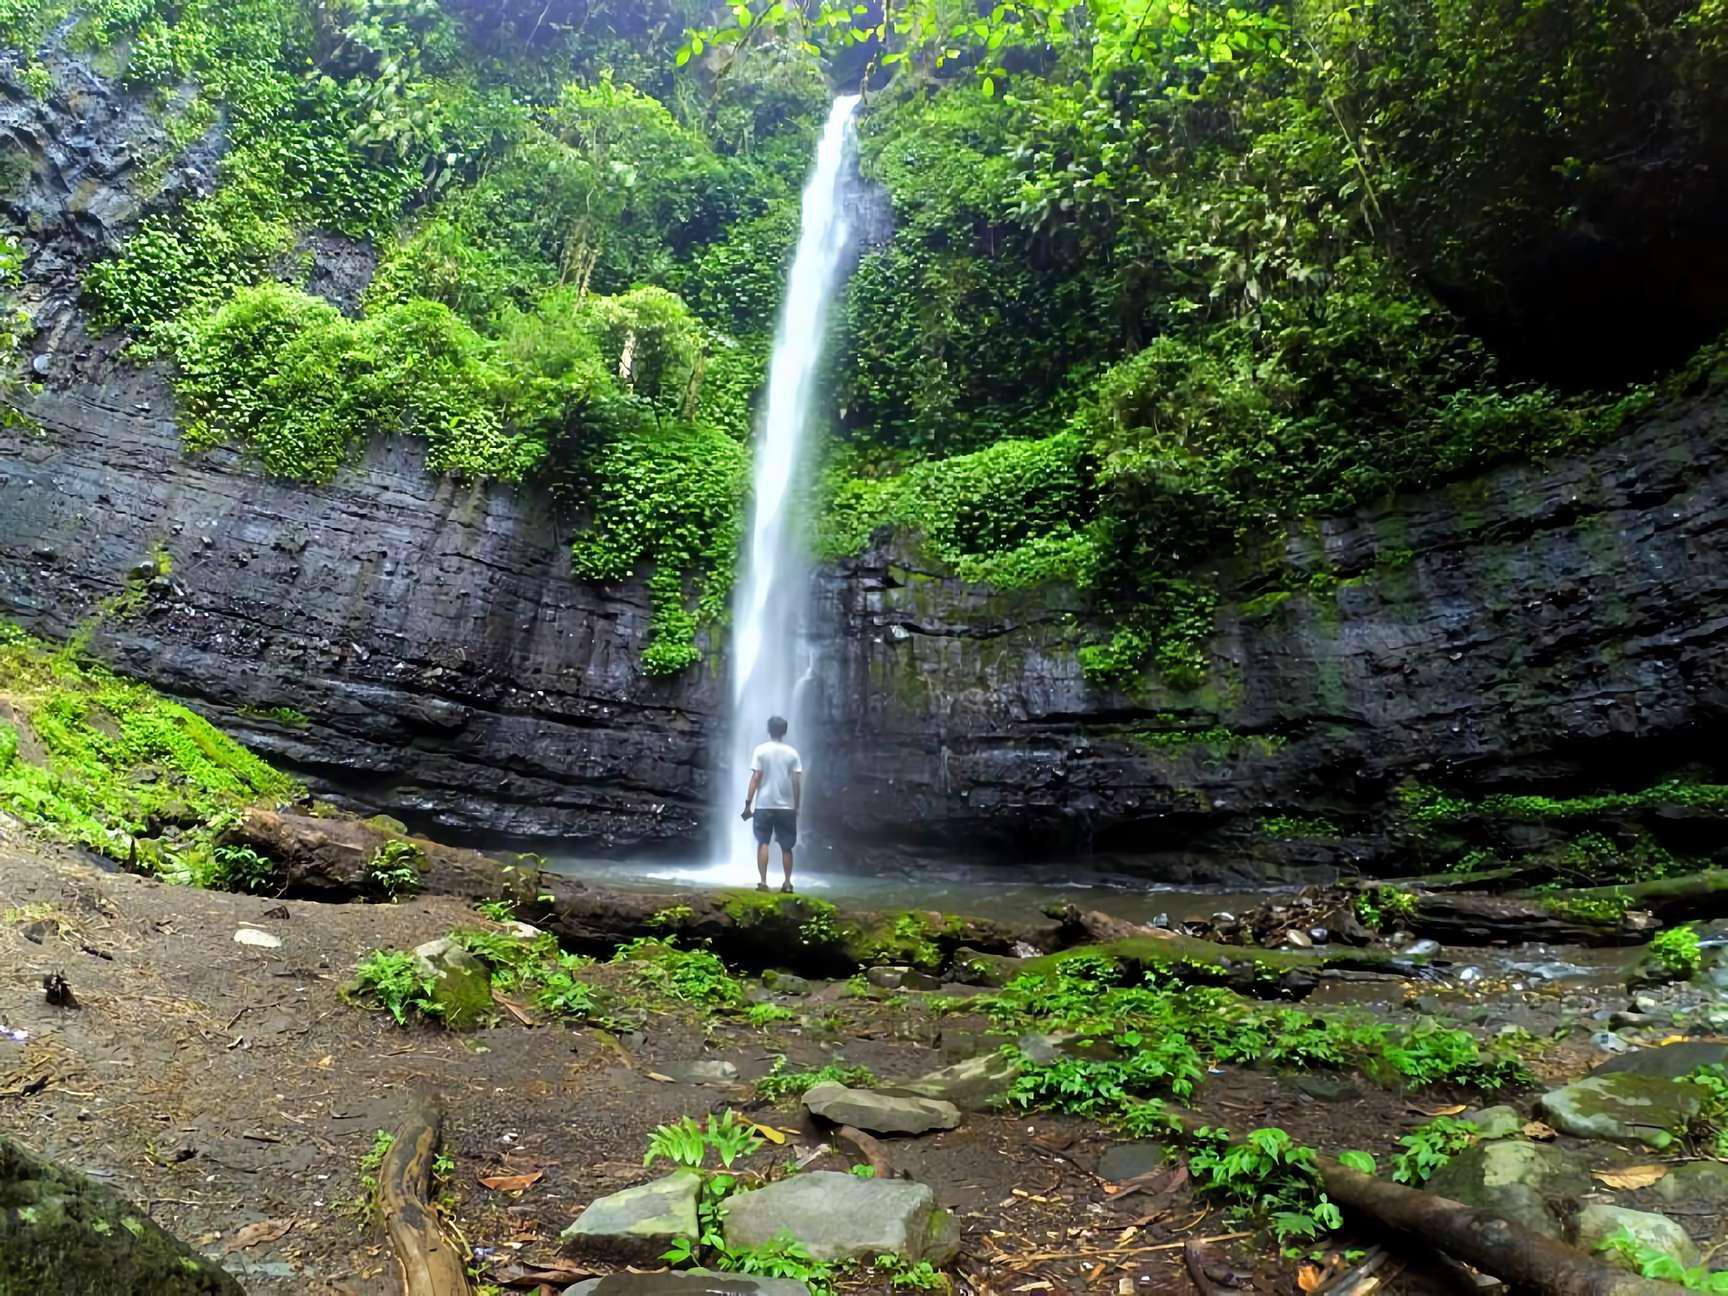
x=430, y=1264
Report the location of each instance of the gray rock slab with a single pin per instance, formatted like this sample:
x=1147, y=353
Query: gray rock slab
x=842, y=1217
x=1131, y=1160
x=1496, y=1122
x=879, y=1113
x=975, y=1084
x=1696, y=1185
x=1671, y=1060
x=638, y=1223
x=1625, y=1106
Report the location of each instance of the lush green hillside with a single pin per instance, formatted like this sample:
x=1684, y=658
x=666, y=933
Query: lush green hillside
x=1163, y=273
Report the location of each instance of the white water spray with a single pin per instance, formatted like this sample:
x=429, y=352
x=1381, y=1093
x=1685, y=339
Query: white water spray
x=767, y=618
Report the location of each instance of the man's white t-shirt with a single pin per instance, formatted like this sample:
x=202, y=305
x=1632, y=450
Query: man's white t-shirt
x=776, y=763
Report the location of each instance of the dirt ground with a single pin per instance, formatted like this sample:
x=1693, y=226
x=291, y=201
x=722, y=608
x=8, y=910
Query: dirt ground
x=220, y=1086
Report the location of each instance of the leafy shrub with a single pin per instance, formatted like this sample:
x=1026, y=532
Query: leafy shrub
x=393, y=979
x=691, y=976
x=1266, y=1173
x=1430, y=1146
x=394, y=870
x=240, y=868
x=782, y=1083
x=1676, y=950
x=686, y=1143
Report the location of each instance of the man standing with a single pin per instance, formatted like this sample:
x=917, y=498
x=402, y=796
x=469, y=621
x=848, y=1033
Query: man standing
x=776, y=792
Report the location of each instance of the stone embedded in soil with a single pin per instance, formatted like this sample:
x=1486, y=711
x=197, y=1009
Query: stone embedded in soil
x=1598, y=1222
x=842, y=1217
x=1325, y=1088
x=1131, y=1160
x=693, y=1282
x=900, y=978
x=639, y=1223
x=461, y=986
x=64, y=1234
x=1625, y=1106
x=1496, y=1122
x=1671, y=1060
x=261, y=939
x=879, y=1113
x=706, y=1071
x=1695, y=1184
x=976, y=1084
x=1527, y=1183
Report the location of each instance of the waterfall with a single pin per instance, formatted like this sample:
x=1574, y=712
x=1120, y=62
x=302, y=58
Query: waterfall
x=768, y=665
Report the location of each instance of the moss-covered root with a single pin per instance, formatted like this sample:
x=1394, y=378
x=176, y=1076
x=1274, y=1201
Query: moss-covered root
x=1690, y=896
x=63, y=1234
x=1263, y=974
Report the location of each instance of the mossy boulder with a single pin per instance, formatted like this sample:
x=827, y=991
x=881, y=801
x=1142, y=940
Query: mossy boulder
x=1598, y=1222
x=1696, y=1185
x=461, y=985
x=638, y=1224
x=1623, y=1106
x=1532, y=1184
x=64, y=1234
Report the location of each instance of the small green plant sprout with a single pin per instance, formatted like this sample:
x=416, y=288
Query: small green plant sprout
x=366, y=1205
x=685, y=1143
x=1709, y=1128
x=1652, y=1262
x=905, y=1276
x=1430, y=1146
x=393, y=980
x=782, y=1083
x=673, y=917
x=863, y=1171
x=498, y=911
x=1269, y=1175
x=1361, y=1162
x=394, y=870
x=1676, y=950
x=761, y=1015
x=240, y=868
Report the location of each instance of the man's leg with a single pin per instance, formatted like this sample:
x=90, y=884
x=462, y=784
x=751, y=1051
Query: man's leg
x=762, y=864
x=785, y=863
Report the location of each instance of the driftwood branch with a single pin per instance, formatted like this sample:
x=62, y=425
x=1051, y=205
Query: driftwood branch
x=431, y=1265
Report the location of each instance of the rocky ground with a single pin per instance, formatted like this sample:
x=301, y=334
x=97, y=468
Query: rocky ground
x=214, y=1073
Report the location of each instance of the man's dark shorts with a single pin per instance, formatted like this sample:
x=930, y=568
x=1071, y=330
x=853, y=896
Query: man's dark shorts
x=771, y=824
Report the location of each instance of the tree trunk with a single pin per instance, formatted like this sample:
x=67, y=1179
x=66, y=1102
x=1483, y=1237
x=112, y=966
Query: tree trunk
x=431, y=1265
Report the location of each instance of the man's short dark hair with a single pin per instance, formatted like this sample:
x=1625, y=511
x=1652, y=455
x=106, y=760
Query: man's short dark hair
x=776, y=727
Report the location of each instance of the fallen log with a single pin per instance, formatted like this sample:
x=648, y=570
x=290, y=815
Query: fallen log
x=1468, y=919
x=431, y=1265
x=1518, y=1256
x=1690, y=896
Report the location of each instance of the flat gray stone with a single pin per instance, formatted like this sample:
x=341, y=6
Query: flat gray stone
x=1527, y=1183
x=975, y=1084
x=842, y=1217
x=1671, y=1060
x=706, y=1071
x=1625, y=1106
x=879, y=1113
x=1696, y=1184
x=1131, y=1160
x=693, y=1282
x=639, y=1223
x=1597, y=1223
x=1324, y=1088
x=1496, y=1122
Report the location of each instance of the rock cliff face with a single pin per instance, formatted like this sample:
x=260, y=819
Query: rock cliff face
x=415, y=645
x=1539, y=629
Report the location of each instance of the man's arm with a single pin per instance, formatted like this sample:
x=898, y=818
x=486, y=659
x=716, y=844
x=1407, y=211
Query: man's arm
x=797, y=790
x=750, y=795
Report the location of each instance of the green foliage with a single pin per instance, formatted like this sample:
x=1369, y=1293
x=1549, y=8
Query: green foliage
x=534, y=966
x=1605, y=910
x=1382, y=907
x=1677, y=951
x=1363, y=1162
x=240, y=868
x=694, y=976
x=90, y=758
x=1268, y=1174
x=367, y=1206
x=1300, y=827
x=393, y=980
x=394, y=870
x=1430, y=1146
x=1652, y=1262
x=685, y=1143
x=763, y=1015
x=1710, y=1127
x=782, y=1084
